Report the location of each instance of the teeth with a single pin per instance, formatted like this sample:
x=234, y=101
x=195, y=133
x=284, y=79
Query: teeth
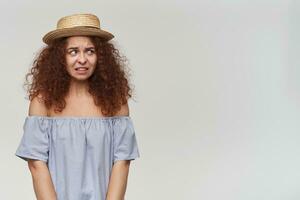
x=81, y=68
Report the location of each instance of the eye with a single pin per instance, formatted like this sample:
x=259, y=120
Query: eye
x=73, y=52
x=91, y=51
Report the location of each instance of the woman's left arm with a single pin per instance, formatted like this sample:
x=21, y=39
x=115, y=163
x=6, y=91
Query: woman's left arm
x=118, y=180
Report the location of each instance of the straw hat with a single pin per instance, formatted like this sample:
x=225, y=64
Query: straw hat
x=77, y=24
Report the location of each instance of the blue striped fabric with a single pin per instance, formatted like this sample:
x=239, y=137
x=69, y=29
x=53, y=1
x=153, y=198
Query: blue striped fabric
x=79, y=151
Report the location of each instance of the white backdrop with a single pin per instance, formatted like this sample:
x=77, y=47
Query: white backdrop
x=217, y=94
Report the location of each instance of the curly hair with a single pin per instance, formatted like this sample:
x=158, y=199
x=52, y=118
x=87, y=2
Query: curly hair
x=109, y=84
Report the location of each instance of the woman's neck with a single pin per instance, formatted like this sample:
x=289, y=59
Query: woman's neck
x=78, y=88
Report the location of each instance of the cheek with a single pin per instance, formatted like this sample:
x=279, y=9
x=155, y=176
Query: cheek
x=69, y=61
x=94, y=61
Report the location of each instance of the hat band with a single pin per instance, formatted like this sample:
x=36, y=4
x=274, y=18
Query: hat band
x=77, y=26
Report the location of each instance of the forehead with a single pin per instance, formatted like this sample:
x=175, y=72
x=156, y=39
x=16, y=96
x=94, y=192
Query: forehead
x=79, y=41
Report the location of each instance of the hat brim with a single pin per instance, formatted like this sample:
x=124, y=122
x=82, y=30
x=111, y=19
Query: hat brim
x=76, y=31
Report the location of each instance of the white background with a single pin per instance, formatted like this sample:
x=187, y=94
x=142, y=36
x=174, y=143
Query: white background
x=217, y=94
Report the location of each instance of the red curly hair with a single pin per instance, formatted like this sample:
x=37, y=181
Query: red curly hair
x=109, y=84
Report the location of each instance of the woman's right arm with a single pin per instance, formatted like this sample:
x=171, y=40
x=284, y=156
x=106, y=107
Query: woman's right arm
x=42, y=182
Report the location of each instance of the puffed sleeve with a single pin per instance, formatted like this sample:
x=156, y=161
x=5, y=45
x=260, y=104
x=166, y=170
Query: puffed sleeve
x=125, y=142
x=34, y=142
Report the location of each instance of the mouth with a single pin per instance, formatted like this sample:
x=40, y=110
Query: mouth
x=81, y=68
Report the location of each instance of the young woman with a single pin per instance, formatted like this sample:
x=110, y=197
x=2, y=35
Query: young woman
x=78, y=137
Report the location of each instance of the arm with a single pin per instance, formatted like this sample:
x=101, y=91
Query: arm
x=118, y=180
x=42, y=183
x=119, y=175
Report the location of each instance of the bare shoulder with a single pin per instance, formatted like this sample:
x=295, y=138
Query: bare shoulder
x=124, y=110
x=37, y=107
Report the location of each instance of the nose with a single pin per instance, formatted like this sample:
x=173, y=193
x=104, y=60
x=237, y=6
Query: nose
x=82, y=59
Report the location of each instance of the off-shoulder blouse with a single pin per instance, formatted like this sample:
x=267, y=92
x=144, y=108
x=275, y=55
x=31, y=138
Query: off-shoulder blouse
x=79, y=151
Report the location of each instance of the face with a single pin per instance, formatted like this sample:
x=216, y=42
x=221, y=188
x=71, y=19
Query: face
x=81, y=57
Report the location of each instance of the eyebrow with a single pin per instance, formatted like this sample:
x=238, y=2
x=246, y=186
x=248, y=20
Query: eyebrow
x=88, y=48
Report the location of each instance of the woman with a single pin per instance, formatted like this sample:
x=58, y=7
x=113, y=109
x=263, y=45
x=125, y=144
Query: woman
x=78, y=136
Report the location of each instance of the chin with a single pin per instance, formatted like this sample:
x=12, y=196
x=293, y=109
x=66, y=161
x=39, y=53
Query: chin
x=82, y=78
